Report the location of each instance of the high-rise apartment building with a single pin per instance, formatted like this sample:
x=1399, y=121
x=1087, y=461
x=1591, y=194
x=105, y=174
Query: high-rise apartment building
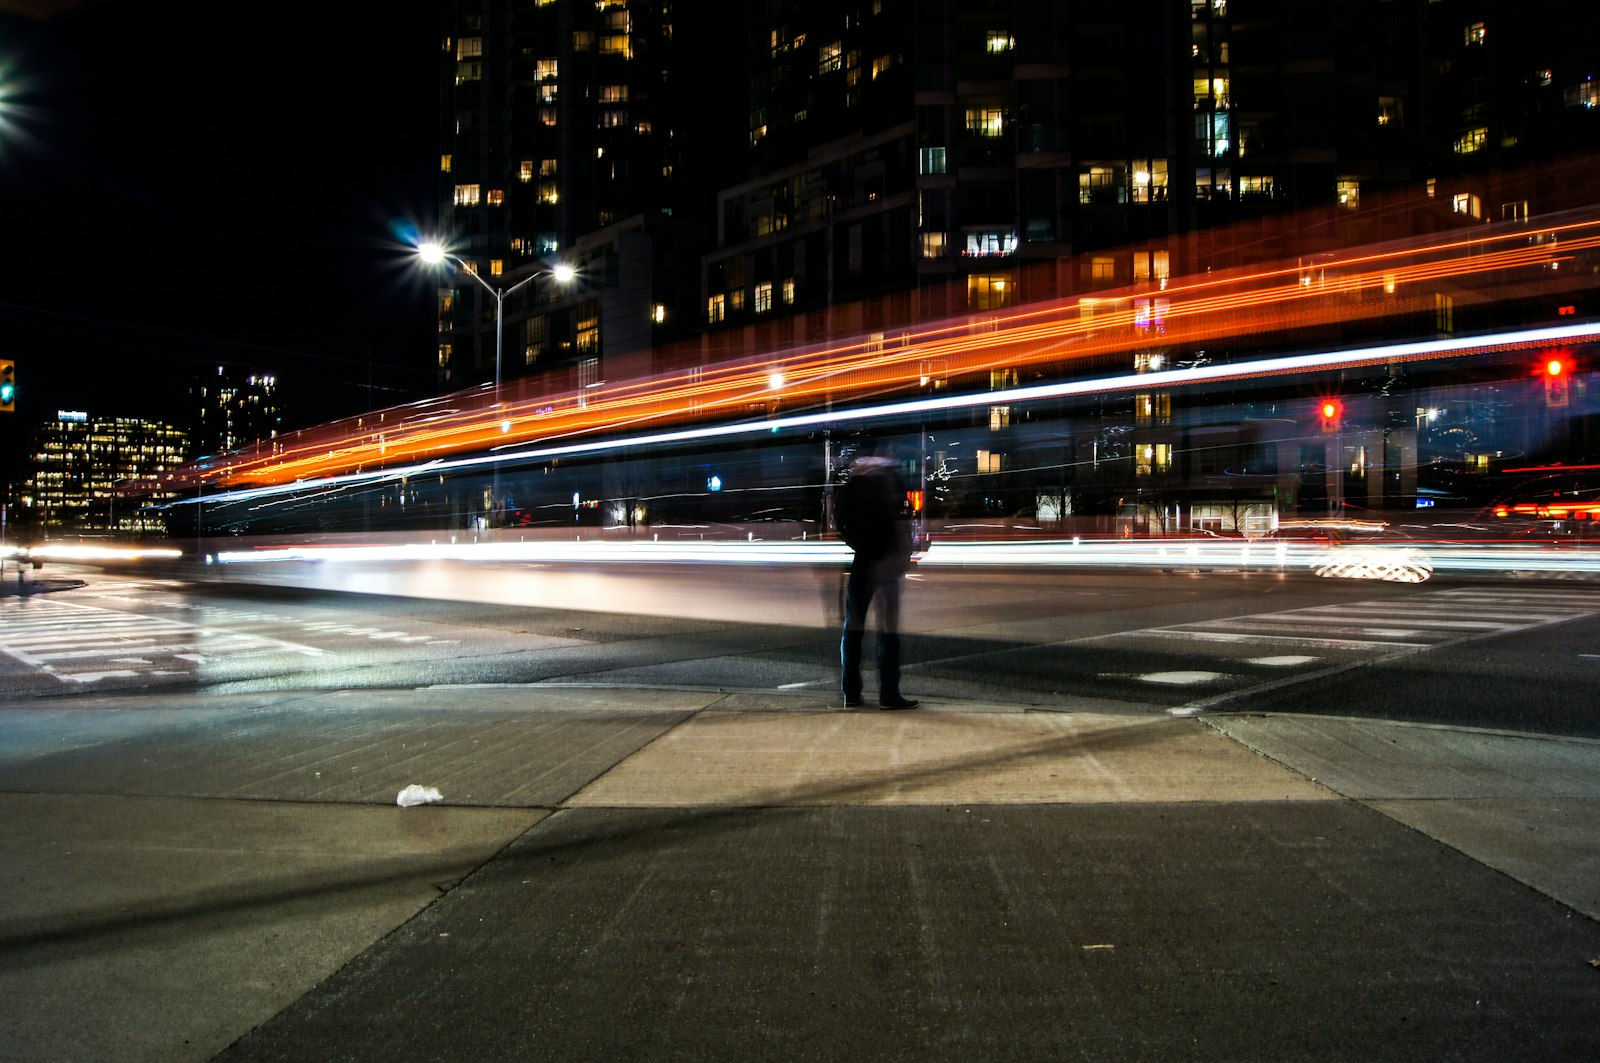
x=987, y=152
x=564, y=119
x=876, y=161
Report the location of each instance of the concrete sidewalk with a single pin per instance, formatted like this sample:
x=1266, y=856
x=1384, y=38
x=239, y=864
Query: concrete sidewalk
x=666, y=874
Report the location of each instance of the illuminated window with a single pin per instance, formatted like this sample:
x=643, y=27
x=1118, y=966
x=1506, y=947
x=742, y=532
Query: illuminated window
x=495, y=197
x=549, y=192
x=1390, y=111
x=549, y=92
x=588, y=335
x=933, y=245
x=1152, y=408
x=582, y=41
x=616, y=44
x=1152, y=266
x=445, y=162
x=1585, y=94
x=1472, y=140
x=497, y=266
x=1255, y=188
x=1102, y=268
x=763, y=301
x=1348, y=190
x=547, y=115
x=445, y=351
x=985, y=121
x=471, y=70
x=1474, y=34
x=469, y=47
x=1150, y=181
x=1101, y=184
x=830, y=57
x=468, y=195
x=1152, y=458
x=1213, y=91
x=546, y=69
x=525, y=170
x=658, y=314
x=613, y=119
x=1213, y=130
x=933, y=160
x=984, y=245
x=716, y=308
x=881, y=65
x=989, y=291
x=788, y=293
x=613, y=94
x=999, y=417
x=988, y=461
x=999, y=41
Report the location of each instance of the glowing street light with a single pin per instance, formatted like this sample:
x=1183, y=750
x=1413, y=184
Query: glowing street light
x=433, y=253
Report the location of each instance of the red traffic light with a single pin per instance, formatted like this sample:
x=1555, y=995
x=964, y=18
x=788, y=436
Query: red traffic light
x=1331, y=414
x=1555, y=367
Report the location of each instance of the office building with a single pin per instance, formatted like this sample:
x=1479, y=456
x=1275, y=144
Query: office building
x=79, y=461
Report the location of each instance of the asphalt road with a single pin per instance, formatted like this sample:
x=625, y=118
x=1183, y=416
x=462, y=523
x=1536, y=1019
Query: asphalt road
x=1509, y=655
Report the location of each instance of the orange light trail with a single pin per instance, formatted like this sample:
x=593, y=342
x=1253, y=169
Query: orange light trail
x=1270, y=301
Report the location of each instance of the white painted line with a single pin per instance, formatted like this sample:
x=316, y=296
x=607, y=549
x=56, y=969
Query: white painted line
x=1182, y=678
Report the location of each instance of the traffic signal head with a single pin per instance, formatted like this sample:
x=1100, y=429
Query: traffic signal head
x=8, y=386
x=1555, y=370
x=1330, y=412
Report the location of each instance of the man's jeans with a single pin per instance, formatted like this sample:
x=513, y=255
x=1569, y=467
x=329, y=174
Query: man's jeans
x=868, y=580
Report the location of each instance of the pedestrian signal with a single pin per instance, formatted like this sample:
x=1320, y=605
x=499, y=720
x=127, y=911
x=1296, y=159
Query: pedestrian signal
x=8, y=386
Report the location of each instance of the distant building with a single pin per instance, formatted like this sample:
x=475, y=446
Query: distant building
x=231, y=406
x=78, y=461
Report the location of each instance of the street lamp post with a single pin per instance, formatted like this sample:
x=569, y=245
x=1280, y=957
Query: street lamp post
x=433, y=254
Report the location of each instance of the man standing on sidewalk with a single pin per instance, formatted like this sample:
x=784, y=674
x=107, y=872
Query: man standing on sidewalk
x=870, y=510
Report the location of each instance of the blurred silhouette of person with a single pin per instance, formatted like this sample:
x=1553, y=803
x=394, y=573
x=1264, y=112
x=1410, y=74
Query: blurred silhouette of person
x=871, y=513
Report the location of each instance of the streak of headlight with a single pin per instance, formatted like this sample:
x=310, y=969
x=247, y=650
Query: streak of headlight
x=65, y=552
x=1292, y=364
x=1409, y=562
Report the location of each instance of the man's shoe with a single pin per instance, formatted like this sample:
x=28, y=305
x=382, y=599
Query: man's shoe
x=853, y=703
x=898, y=703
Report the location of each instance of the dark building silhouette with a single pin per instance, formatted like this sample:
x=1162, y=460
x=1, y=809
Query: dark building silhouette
x=893, y=160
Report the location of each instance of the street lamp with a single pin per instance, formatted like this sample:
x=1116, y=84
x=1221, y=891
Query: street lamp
x=433, y=254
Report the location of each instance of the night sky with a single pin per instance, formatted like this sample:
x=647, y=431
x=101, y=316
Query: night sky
x=190, y=181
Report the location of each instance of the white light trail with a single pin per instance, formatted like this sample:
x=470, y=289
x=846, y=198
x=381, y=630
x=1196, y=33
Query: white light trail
x=1291, y=364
